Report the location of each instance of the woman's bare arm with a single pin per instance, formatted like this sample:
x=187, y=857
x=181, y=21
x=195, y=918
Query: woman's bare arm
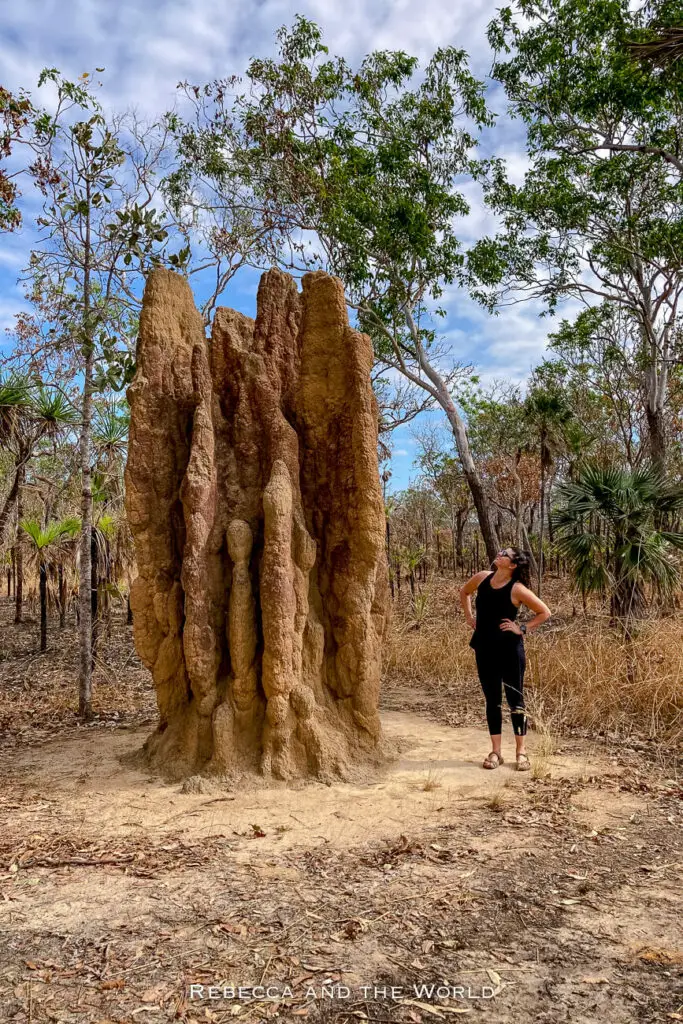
x=528, y=598
x=466, y=591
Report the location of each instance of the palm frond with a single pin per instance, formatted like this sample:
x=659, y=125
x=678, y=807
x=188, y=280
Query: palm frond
x=52, y=409
x=110, y=429
x=15, y=397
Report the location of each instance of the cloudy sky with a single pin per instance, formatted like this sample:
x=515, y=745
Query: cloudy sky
x=148, y=48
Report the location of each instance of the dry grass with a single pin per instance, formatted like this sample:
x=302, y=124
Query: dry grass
x=433, y=780
x=581, y=673
x=498, y=801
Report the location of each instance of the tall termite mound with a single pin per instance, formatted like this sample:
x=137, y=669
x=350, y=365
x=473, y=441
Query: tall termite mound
x=253, y=495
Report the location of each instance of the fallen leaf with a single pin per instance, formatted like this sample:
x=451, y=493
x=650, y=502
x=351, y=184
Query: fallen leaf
x=657, y=955
x=154, y=994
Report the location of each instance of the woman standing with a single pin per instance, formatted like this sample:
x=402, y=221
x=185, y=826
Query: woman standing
x=498, y=642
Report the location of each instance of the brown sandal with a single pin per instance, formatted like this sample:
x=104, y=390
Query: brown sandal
x=490, y=763
x=523, y=763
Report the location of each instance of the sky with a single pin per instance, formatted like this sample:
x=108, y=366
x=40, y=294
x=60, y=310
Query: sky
x=146, y=49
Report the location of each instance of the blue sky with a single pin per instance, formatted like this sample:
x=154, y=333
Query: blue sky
x=147, y=49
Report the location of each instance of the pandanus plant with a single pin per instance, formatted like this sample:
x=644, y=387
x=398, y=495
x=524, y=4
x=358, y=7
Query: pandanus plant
x=48, y=546
x=28, y=413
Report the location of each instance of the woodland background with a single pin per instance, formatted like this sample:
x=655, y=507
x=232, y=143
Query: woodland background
x=306, y=161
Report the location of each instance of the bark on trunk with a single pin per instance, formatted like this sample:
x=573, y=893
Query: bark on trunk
x=94, y=599
x=7, y=508
x=656, y=438
x=62, y=596
x=19, y=586
x=527, y=546
x=43, y=606
x=462, y=444
x=84, y=594
x=541, y=528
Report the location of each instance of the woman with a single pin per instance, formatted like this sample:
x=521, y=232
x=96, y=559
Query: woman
x=499, y=646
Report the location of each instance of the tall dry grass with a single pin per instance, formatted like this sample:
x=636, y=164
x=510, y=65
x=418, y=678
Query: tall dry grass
x=581, y=673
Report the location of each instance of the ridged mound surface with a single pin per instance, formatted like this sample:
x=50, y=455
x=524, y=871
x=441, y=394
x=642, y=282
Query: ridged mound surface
x=253, y=495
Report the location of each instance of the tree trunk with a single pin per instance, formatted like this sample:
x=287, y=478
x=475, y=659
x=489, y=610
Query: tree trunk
x=542, y=523
x=459, y=530
x=94, y=599
x=426, y=536
x=518, y=499
x=62, y=596
x=43, y=606
x=10, y=500
x=84, y=595
x=656, y=437
x=19, y=586
x=389, y=562
x=527, y=547
x=462, y=444
x=548, y=502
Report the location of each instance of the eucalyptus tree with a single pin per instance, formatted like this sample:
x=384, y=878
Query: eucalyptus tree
x=15, y=115
x=601, y=350
x=100, y=231
x=548, y=413
x=441, y=468
x=358, y=170
x=501, y=439
x=598, y=216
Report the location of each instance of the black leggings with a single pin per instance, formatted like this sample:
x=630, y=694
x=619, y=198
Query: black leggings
x=503, y=665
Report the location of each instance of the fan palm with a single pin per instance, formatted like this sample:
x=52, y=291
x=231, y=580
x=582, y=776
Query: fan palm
x=46, y=544
x=609, y=527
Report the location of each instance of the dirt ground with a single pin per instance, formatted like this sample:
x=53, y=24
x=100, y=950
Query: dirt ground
x=434, y=889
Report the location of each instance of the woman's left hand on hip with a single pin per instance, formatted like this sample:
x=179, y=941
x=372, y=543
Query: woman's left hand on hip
x=510, y=626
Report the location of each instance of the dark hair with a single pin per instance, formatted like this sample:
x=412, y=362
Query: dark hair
x=522, y=563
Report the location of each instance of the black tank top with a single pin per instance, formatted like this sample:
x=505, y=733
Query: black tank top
x=492, y=606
